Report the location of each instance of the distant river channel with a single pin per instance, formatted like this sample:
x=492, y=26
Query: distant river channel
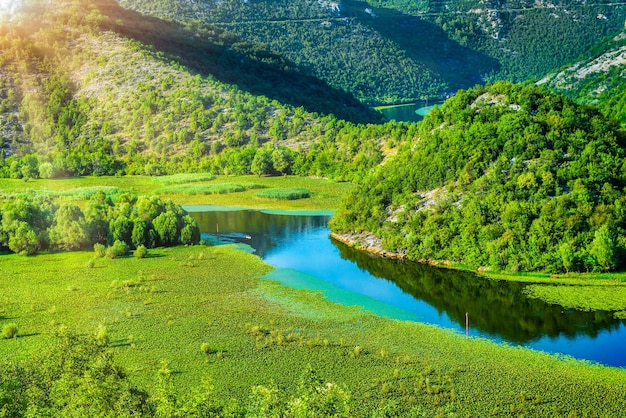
x=305, y=257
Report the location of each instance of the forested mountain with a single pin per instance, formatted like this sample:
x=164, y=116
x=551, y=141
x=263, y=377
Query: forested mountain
x=91, y=88
x=597, y=79
x=405, y=50
x=504, y=176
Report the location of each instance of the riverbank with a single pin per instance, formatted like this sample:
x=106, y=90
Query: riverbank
x=205, y=312
x=582, y=291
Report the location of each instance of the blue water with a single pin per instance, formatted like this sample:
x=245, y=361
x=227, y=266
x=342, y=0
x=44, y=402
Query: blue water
x=306, y=257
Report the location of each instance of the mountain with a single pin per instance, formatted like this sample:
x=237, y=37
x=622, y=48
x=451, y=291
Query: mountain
x=406, y=50
x=92, y=88
x=506, y=176
x=596, y=79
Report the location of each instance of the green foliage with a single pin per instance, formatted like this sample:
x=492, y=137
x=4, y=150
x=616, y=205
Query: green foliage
x=31, y=224
x=117, y=249
x=132, y=119
x=69, y=229
x=504, y=176
x=208, y=189
x=288, y=194
x=401, y=51
x=183, y=178
x=9, y=331
x=166, y=227
x=72, y=377
x=141, y=251
x=596, y=78
x=190, y=232
x=99, y=249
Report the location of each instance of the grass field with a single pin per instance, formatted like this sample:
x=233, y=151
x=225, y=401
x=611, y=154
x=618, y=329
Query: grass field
x=192, y=189
x=205, y=311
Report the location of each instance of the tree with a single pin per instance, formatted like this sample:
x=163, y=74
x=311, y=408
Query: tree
x=139, y=234
x=24, y=239
x=166, y=228
x=262, y=163
x=281, y=161
x=121, y=228
x=190, y=233
x=69, y=229
x=97, y=217
x=603, y=249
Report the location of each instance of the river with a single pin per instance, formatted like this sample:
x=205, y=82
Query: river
x=305, y=257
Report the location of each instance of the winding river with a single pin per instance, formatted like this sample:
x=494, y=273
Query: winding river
x=299, y=246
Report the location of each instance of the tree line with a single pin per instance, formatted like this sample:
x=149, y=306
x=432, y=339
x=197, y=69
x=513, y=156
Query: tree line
x=35, y=222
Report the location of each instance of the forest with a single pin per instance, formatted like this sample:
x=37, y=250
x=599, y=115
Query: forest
x=507, y=177
x=404, y=51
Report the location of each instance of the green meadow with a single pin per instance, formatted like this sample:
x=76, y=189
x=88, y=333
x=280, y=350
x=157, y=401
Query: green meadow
x=207, y=313
x=194, y=189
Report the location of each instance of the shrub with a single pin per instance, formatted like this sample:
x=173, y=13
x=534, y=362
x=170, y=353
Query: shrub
x=141, y=251
x=9, y=331
x=118, y=249
x=206, y=348
x=99, y=249
x=102, y=337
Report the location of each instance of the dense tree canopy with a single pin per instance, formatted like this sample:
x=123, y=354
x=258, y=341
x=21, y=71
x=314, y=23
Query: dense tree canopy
x=29, y=224
x=504, y=176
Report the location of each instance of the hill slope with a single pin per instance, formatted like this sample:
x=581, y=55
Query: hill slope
x=597, y=79
x=96, y=89
x=505, y=176
x=404, y=50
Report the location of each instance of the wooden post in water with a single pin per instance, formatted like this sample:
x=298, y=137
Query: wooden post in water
x=466, y=324
x=217, y=229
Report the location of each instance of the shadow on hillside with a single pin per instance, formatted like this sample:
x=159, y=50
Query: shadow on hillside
x=459, y=66
x=210, y=51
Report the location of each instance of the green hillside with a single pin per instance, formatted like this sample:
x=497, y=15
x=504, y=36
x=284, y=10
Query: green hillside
x=402, y=50
x=96, y=89
x=597, y=79
x=505, y=176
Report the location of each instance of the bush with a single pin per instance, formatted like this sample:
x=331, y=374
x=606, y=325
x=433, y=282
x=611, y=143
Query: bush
x=141, y=251
x=102, y=337
x=118, y=249
x=9, y=331
x=99, y=249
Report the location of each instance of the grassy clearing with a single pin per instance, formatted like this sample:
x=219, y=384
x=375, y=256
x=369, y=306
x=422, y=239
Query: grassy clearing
x=207, y=189
x=325, y=194
x=184, y=178
x=585, y=291
x=285, y=194
x=203, y=310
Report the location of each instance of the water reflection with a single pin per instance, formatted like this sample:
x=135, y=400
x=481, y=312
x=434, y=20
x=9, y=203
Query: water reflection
x=497, y=310
x=262, y=231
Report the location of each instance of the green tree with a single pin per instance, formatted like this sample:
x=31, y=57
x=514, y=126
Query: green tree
x=603, y=248
x=69, y=229
x=166, y=227
x=190, y=233
x=139, y=235
x=262, y=163
x=281, y=160
x=121, y=228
